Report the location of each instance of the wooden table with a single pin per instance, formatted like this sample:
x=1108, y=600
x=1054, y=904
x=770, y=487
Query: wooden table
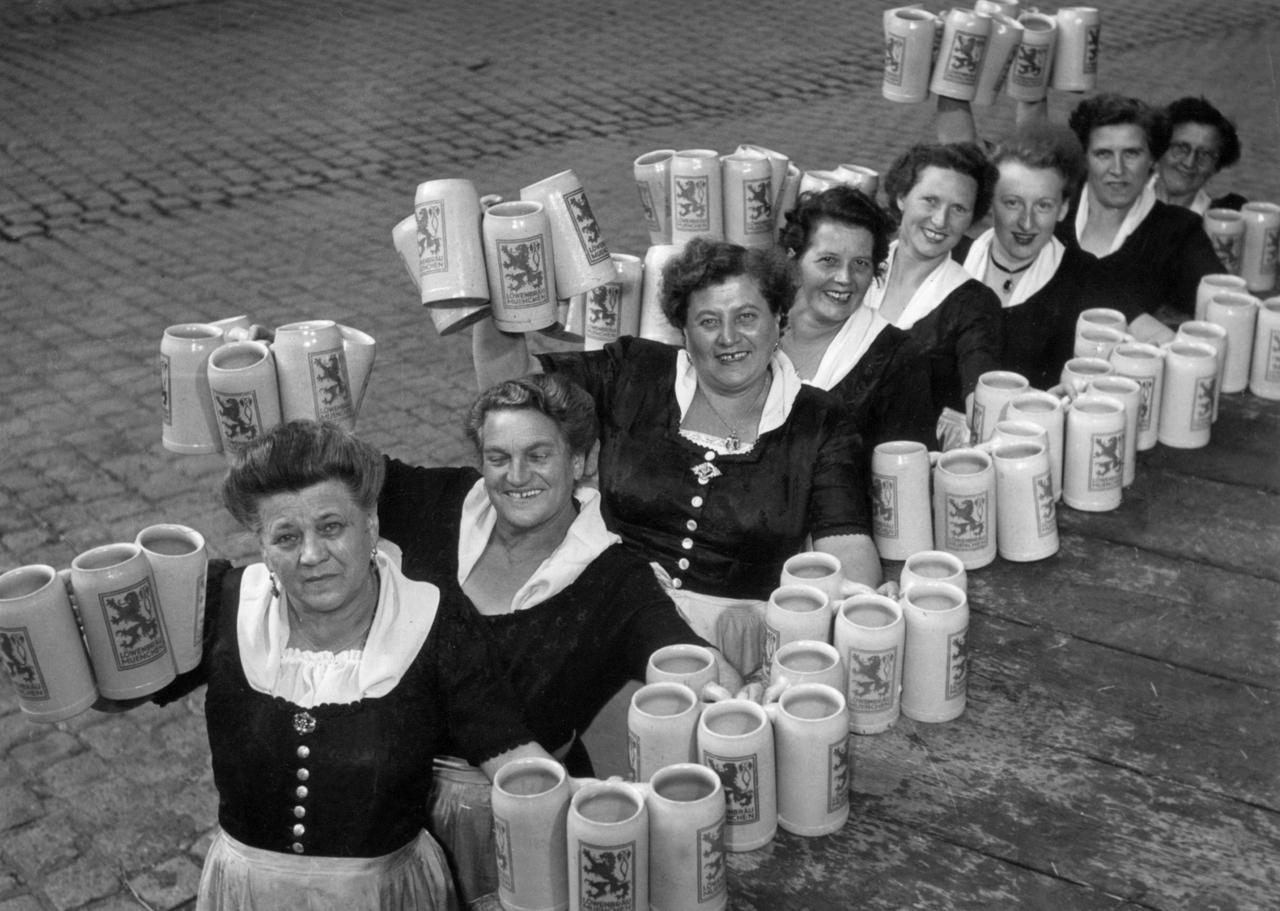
x=1119, y=748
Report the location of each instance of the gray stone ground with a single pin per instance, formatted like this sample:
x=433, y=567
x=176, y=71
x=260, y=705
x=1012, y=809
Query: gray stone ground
x=164, y=161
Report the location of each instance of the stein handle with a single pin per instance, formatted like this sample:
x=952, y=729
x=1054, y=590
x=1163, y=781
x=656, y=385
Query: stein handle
x=773, y=692
x=714, y=692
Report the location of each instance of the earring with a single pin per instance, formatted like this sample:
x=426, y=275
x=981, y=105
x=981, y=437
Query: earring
x=275, y=589
x=373, y=554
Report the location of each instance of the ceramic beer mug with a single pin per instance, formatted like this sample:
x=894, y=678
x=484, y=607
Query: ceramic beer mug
x=1075, y=60
x=1237, y=313
x=935, y=668
x=654, y=324
x=735, y=740
x=315, y=377
x=447, y=320
x=964, y=506
x=806, y=661
x=40, y=645
x=994, y=390
x=530, y=800
x=1102, y=316
x=909, y=40
x=747, y=191
x=361, y=350
x=1029, y=76
x=687, y=870
x=1129, y=393
x=869, y=636
x=779, y=168
x=814, y=761
x=521, y=264
x=1186, y=404
x=1008, y=431
x=1214, y=284
x=1215, y=337
x=581, y=256
x=860, y=178
x=1093, y=461
x=448, y=248
x=1261, y=247
x=815, y=568
x=692, y=665
x=1264, y=366
x=787, y=195
x=613, y=310
x=1225, y=228
x=1002, y=45
x=901, y=520
x=1026, y=521
x=1144, y=364
x=933, y=566
x=959, y=62
x=189, y=425
x=123, y=624
x=697, y=204
x=662, y=727
x=653, y=183
x=795, y=612
x=1079, y=372
x=608, y=839
x=1097, y=341
x=1038, y=407
x=179, y=563
x=246, y=392
x=819, y=180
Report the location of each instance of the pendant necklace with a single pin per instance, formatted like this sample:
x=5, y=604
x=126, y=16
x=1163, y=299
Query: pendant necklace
x=733, y=442
x=1008, y=282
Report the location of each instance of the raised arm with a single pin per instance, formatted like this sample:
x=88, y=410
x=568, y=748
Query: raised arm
x=499, y=355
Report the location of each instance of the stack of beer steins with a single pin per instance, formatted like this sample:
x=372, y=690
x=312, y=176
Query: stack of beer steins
x=220, y=388
x=976, y=54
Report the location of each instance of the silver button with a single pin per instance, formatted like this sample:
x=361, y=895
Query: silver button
x=696, y=502
x=691, y=525
x=301, y=792
x=304, y=752
x=709, y=455
x=299, y=812
x=676, y=583
x=297, y=847
x=683, y=563
x=704, y=481
x=687, y=543
x=303, y=774
x=299, y=830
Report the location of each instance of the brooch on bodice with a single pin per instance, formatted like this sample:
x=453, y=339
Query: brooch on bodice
x=304, y=722
x=705, y=471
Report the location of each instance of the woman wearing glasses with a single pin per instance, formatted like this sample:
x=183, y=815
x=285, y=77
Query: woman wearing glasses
x=1202, y=143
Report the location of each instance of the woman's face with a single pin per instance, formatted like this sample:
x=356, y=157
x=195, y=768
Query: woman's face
x=936, y=212
x=318, y=542
x=1029, y=202
x=529, y=471
x=835, y=270
x=1119, y=160
x=730, y=335
x=1192, y=158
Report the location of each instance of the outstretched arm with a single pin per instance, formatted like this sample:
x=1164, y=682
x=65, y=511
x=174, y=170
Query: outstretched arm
x=954, y=121
x=499, y=355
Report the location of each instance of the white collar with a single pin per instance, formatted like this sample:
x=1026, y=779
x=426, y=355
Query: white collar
x=848, y=346
x=777, y=404
x=1140, y=209
x=938, y=284
x=1200, y=204
x=1038, y=273
x=405, y=614
x=585, y=540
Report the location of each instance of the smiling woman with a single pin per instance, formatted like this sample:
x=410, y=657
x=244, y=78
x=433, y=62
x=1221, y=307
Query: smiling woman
x=716, y=461
x=571, y=613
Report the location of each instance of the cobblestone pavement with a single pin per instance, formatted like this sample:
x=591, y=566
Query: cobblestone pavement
x=164, y=161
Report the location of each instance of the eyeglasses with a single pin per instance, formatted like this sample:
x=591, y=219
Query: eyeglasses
x=1184, y=151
